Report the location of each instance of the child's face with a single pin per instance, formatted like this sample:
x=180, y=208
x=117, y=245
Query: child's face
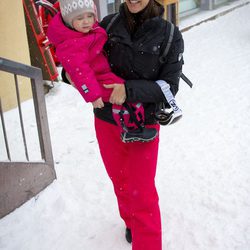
x=84, y=22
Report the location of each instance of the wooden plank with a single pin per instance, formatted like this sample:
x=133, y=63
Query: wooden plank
x=19, y=182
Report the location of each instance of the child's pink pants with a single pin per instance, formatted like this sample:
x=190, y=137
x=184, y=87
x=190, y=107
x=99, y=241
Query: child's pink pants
x=132, y=168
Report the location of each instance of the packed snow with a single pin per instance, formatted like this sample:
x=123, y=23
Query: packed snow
x=203, y=175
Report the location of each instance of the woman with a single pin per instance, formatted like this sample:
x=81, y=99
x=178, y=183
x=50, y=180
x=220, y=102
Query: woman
x=136, y=41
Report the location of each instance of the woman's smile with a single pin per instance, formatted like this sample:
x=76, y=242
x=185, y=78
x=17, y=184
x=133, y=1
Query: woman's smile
x=134, y=1
x=136, y=6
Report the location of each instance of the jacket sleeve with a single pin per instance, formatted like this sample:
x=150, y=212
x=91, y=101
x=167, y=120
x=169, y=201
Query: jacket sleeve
x=170, y=70
x=75, y=62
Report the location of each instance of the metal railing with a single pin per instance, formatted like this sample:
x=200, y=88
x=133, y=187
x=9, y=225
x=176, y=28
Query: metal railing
x=21, y=180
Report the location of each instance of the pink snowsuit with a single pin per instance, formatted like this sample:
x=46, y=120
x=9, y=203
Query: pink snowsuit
x=82, y=57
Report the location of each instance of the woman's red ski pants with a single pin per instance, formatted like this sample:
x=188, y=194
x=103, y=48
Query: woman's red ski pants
x=132, y=168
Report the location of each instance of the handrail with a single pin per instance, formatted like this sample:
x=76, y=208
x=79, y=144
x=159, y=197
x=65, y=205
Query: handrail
x=21, y=181
x=19, y=68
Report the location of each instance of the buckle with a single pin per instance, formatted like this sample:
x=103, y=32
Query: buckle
x=167, y=118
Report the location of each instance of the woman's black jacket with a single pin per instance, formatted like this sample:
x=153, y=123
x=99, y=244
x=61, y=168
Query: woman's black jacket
x=136, y=59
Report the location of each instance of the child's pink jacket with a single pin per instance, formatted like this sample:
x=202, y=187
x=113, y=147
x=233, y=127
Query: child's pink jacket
x=82, y=57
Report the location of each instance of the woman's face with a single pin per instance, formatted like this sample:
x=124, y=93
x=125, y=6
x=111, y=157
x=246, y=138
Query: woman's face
x=136, y=6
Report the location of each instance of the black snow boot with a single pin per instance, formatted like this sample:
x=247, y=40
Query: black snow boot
x=128, y=235
x=140, y=134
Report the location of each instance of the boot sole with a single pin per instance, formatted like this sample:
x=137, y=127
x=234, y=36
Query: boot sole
x=136, y=139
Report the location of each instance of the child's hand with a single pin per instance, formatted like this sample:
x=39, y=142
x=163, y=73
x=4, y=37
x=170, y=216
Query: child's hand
x=98, y=103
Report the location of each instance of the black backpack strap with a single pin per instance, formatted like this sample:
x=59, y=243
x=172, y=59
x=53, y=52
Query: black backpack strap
x=166, y=50
x=112, y=21
x=163, y=57
x=186, y=80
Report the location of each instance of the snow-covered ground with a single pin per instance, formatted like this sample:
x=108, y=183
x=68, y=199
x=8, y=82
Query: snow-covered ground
x=203, y=175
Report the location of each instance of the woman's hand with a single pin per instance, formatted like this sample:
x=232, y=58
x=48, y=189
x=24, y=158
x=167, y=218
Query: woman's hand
x=98, y=103
x=118, y=95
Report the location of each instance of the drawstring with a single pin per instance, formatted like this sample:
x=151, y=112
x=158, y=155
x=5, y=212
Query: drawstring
x=132, y=115
x=121, y=112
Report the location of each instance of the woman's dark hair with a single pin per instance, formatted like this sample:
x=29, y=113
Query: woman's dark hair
x=153, y=9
